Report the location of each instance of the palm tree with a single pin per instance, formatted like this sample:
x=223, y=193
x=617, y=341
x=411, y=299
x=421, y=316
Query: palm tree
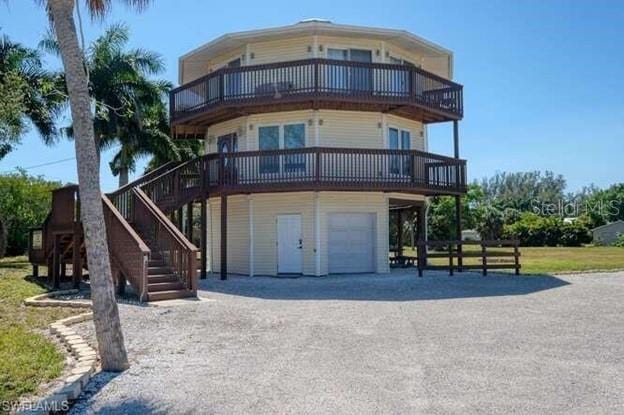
x=28, y=94
x=106, y=314
x=130, y=107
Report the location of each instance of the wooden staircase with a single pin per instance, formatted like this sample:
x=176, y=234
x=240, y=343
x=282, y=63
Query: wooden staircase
x=162, y=282
x=146, y=248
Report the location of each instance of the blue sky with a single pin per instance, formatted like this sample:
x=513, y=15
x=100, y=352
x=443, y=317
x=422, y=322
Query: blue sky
x=544, y=80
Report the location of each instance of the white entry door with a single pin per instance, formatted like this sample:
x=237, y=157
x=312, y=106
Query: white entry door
x=289, y=244
x=351, y=242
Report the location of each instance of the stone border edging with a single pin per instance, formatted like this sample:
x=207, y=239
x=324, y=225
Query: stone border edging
x=85, y=355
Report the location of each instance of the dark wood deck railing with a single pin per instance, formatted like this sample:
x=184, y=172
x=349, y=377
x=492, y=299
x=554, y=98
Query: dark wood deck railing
x=310, y=168
x=177, y=251
x=318, y=79
x=129, y=253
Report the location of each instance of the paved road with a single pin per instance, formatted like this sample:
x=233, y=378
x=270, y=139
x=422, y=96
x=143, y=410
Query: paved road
x=375, y=344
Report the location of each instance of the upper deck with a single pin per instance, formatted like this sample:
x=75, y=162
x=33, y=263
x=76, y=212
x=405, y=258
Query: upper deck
x=314, y=65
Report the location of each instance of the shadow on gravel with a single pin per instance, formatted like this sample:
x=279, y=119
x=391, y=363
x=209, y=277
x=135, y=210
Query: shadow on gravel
x=380, y=287
x=129, y=406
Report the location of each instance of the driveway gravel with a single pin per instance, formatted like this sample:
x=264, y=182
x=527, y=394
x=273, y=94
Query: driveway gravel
x=367, y=344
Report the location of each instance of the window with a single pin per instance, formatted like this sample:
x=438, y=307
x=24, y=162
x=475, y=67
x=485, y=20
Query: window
x=294, y=137
x=399, y=140
x=269, y=140
x=275, y=137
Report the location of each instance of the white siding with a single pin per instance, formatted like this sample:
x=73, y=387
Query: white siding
x=267, y=206
x=354, y=129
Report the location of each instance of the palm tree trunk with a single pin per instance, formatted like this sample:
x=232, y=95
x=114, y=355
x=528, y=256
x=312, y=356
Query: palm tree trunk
x=123, y=176
x=106, y=316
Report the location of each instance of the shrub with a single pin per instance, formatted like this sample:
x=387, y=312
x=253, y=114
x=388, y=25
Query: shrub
x=490, y=223
x=535, y=230
x=619, y=241
x=575, y=234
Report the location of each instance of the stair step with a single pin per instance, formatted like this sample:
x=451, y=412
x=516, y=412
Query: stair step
x=164, y=286
x=158, y=270
x=169, y=295
x=153, y=279
x=156, y=263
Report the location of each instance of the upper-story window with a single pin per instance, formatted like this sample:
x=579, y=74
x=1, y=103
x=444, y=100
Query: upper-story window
x=399, y=140
x=275, y=137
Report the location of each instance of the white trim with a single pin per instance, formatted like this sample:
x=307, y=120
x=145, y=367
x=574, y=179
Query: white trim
x=315, y=46
x=384, y=130
x=317, y=128
x=247, y=55
x=251, y=236
x=382, y=51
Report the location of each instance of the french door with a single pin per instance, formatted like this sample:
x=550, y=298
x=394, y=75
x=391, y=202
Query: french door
x=399, y=140
x=346, y=78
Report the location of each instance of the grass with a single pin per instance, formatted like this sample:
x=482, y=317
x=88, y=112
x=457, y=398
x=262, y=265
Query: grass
x=549, y=260
x=28, y=358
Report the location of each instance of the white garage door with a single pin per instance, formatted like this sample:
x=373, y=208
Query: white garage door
x=351, y=242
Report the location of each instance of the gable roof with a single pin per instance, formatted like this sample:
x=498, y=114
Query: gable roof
x=608, y=225
x=316, y=26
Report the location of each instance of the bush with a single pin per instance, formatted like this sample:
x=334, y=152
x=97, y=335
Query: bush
x=535, y=230
x=490, y=223
x=619, y=241
x=575, y=234
x=24, y=203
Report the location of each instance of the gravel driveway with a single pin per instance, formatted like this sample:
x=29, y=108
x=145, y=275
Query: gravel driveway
x=375, y=344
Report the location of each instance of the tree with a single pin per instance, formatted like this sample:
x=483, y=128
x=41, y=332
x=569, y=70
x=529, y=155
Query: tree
x=24, y=202
x=106, y=315
x=130, y=106
x=441, y=215
x=28, y=95
x=604, y=206
x=523, y=190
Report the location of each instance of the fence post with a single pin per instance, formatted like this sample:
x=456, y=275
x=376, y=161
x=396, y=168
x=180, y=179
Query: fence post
x=483, y=258
x=516, y=257
x=450, y=245
x=420, y=259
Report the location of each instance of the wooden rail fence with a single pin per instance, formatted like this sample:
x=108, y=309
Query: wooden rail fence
x=450, y=255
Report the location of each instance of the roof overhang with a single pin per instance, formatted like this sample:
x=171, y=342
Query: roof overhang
x=313, y=27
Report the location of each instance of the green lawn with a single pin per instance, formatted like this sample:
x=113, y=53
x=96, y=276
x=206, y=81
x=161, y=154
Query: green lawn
x=27, y=357
x=547, y=260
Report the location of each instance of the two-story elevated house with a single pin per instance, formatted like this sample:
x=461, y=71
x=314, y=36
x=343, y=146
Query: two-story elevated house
x=315, y=136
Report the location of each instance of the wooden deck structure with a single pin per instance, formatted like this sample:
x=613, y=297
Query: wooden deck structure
x=403, y=90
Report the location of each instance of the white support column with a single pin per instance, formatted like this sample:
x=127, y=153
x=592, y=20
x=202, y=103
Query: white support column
x=317, y=128
x=247, y=55
x=382, y=52
x=248, y=146
x=315, y=47
x=384, y=130
x=317, y=234
x=251, y=236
